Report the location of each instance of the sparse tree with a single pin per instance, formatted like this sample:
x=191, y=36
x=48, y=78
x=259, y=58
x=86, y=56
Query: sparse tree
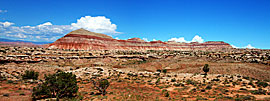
x=164, y=71
x=158, y=70
x=101, y=85
x=59, y=85
x=157, y=82
x=30, y=75
x=205, y=69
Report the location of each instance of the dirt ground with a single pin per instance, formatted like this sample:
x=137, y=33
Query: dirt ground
x=232, y=84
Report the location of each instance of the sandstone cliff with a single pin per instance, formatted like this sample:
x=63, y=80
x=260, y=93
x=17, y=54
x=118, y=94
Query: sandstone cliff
x=82, y=39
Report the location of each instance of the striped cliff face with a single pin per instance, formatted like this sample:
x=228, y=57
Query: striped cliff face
x=82, y=39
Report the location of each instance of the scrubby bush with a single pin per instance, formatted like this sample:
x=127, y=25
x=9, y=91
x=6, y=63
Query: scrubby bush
x=206, y=69
x=208, y=87
x=173, y=80
x=59, y=85
x=189, y=81
x=164, y=71
x=202, y=90
x=245, y=97
x=101, y=85
x=158, y=70
x=178, y=84
x=30, y=75
x=10, y=81
x=167, y=94
x=157, y=82
x=258, y=92
x=262, y=84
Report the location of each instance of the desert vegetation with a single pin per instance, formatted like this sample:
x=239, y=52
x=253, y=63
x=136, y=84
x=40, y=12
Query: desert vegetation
x=30, y=75
x=125, y=75
x=58, y=85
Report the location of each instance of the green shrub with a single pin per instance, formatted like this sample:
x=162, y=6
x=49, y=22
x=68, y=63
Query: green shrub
x=178, y=84
x=242, y=89
x=30, y=75
x=206, y=69
x=9, y=81
x=262, y=84
x=198, y=98
x=164, y=71
x=258, y=92
x=208, y=87
x=191, y=82
x=167, y=94
x=158, y=80
x=59, y=85
x=245, y=97
x=7, y=95
x=102, y=85
x=202, y=90
x=163, y=91
x=22, y=94
x=173, y=80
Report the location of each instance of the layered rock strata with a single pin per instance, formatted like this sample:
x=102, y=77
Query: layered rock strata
x=82, y=39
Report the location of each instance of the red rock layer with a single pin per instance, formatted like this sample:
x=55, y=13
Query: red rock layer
x=81, y=40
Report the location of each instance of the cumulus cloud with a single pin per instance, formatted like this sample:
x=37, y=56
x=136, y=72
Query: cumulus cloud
x=49, y=32
x=234, y=46
x=145, y=39
x=42, y=32
x=248, y=46
x=19, y=35
x=196, y=38
x=45, y=24
x=98, y=24
x=181, y=39
x=3, y=11
x=6, y=24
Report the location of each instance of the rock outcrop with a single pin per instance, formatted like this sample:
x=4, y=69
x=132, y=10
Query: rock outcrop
x=82, y=39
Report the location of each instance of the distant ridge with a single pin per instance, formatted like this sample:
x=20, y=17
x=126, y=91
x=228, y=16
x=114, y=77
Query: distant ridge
x=9, y=40
x=82, y=39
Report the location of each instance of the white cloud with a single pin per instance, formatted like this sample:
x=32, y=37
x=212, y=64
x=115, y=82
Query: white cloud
x=117, y=38
x=154, y=40
x=38, y=37
x=3, y=11
x=19, y=35
x=49, y=32
x=181, y=39
x=234, y=46
x=45, y=24
x=6, y=24
x=196, y=38
x=248, y=46
x=145, y=39
x=42, y=32
x=99, y=24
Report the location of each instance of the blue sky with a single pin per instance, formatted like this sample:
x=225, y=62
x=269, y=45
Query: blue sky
x=238, y=22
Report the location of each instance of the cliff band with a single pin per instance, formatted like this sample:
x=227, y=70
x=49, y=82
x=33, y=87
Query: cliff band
x=82, y=39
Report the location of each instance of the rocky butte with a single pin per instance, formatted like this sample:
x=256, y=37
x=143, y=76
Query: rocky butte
x=82, y=39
